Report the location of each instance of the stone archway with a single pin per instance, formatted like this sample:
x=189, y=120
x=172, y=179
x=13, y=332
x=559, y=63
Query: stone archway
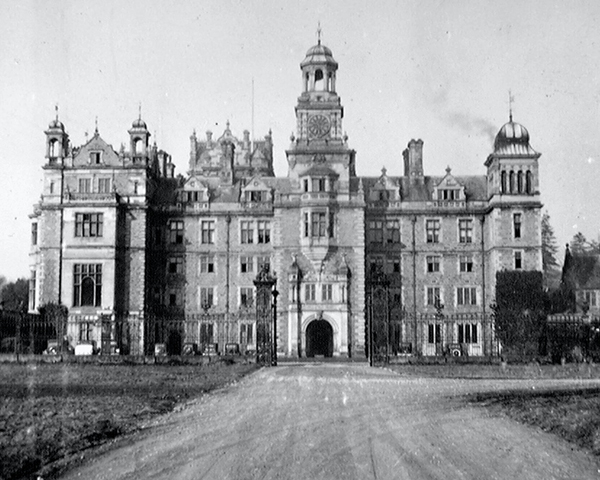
x=319, y=338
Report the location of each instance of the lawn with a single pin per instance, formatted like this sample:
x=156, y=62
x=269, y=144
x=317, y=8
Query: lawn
x=50, y=413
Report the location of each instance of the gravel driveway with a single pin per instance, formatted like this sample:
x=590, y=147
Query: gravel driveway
x=343, y=421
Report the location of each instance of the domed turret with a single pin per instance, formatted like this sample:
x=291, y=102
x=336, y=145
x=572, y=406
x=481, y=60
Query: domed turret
x=319, y=54
x=139, y=123
x=513, y=139
x=56, y=124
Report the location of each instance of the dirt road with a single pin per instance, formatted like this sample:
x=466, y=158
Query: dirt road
x=347, y=422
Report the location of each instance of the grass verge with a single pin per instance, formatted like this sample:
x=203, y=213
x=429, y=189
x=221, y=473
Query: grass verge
x=49, y=412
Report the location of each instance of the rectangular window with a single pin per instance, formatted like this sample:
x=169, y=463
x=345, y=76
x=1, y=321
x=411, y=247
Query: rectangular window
x=88, y=224
x=433, y=264
x=206, y=333
x=247, y=232
x=173, y=298
x=517, y=225
x=255, y=196
x=32, y=290
x=318, y=184
x=396, y=266
x=207, y=264
x=434, y=333
x=518, y=259
x=319, y=224
x=264, y=232
x=86, y=331
x=51, y=188
x=309, y=293
x=331, y=225
x=246, y=333
x=433, y=296
x=176, y=232
x=34, y=233
x=393, y=231
x=207, y=231
x=590, y=297
x=306, y=184
x=327, y=292
x=84, y=185
x=262, y=262
x=466, y=296
x=95, y=158
x=175, y=265
x=207, y=298
x=246, y=264
x=376, y=231
x=87, y=285
x=465, y=263
x=467, y=333
x=246, y=297
x=465, y=230
x=306, y=225
x=104, y=185
x=432, y=228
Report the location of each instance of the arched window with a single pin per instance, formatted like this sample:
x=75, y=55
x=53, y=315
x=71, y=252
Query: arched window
x=87, y=292
x=306, y=81
x=319, y=83
x=138, y=146
x=53, y=150
x=329, y=81
x=87, y=285
x=503, y=182
x=520, y=181
x=529, y=182
x=511, y=181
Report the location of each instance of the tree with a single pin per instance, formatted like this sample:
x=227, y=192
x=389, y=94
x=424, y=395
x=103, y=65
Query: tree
x=550, y=266
x=581, y=246
x=15, y=295
x=520, y=312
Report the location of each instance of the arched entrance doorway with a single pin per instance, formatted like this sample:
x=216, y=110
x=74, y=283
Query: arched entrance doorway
x=319, y=339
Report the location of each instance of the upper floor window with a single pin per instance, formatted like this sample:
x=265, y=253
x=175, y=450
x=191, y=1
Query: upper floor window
x=104, y=185
x=88, y=224
x=246, y=264
x=588, y=296
x=316, y=225
x=327, y=292
x=433, y=263
x=309, y=292
x=263, y=262
x=448, y=194
x=503, y=182
x=176, y=232
x=34, y=233
x=207, y=230
x=87, y=285
x=85, y=185
x=95, y=158
x=207, y=264
x=319, y=184
x=376, y=231
x=465, y=263
x=392, y=232
x=246, y=297
x=528, y=182
x=434, y=296
x=520, y=182
x=466, y=296
x=194, y=196
x=256, y=196
x=432, y=230
x=247, y=232
x=517, y=225
x=264, y=232
x=465, y=230
x=175, y=265
x=207, y=297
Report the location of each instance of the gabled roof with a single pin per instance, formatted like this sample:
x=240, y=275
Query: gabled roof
x=96, y=144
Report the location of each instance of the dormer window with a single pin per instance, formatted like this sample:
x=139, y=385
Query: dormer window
x=448, y=194
x=256, y=196
x=193, y=196
x=95, y=158
x=319, y=185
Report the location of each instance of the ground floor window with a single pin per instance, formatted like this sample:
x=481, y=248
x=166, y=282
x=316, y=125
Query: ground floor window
x=87, y=285
x=86, y=331
x=434, y=333
x=467, y=333
x=206, y=333
x=246, y=333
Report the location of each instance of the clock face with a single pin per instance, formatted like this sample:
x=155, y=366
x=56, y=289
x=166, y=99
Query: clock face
x=318, y=126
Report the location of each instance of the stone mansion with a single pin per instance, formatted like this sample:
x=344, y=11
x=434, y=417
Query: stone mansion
x=130, y=247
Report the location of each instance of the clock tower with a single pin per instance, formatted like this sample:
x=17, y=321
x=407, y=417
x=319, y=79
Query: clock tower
x=319, y=135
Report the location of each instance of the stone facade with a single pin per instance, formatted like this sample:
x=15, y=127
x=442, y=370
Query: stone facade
x=128, y=247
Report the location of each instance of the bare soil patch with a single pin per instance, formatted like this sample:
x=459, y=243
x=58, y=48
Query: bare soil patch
x=50, y=412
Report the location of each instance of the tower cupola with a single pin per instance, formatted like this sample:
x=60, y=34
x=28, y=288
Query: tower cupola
x=139, y=138
x=319, y=69
x=57, y=141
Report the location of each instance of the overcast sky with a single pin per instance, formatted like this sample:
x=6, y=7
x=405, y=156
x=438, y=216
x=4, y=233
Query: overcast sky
x=435, y=70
